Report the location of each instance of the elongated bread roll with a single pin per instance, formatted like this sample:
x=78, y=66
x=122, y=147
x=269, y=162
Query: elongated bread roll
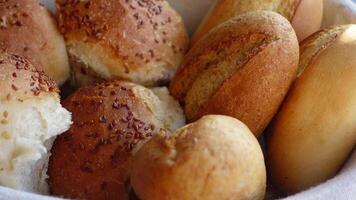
x=315, y=130
x=304, y=15
x=243, y=68
x=216, y=157
x=142, y=41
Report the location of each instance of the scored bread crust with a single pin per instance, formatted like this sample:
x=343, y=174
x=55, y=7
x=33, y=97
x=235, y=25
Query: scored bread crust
x=314, y=132
x=234, y=70
x=92, y=159
x=28, y=29
x=140, y=41
x=299, y=12
x=216, y=157
x=312, y=46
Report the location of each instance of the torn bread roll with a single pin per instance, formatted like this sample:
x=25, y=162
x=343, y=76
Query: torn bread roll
x=304, y=15
x=111, y=121
x=28, y=29
x=30, y=117
x=315, y=131
x=216, y=157
x=243, y=68
x=140, y=41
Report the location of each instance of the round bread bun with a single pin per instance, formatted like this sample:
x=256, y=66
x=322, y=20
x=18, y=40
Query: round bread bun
x=315, y=131
x=243, y=68
x=304, y=15
x=111, y=121
x=216, y=157
x=140, y=41
x=30, y=117
x=28, y=29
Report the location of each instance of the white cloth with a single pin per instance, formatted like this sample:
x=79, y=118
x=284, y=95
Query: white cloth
x=10, y=194
x=343, y=186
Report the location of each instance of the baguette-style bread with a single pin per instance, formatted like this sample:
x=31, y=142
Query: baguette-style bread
x=111, y=121
x=315, y=131
x=142, y=41
x=304, y=15
x=243, y=68
x=216, y=157
x=30, y=117
x=28, y=29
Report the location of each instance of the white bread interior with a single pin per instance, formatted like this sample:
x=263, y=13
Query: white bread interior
x=163, y=106
x=27, y=132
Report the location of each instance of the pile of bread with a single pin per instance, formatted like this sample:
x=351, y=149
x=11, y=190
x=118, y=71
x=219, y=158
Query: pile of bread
x=130, y=80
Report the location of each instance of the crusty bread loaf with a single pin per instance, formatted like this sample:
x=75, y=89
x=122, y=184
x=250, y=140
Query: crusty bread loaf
x=142, y=41
x=305, y=15
x=243, y=68
x=30, y=117
x=315, y=130
x=111, y=121
x=28, y=29
x=216, y=157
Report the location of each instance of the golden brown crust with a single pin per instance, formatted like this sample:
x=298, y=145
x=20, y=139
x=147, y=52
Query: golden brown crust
x=137, y=35
x=311, y=47
x=28, y=29
x=314, y=133
x=20, y=80
x=234, y=70
x=223, y=10
x=216, y=157
x=91, y=160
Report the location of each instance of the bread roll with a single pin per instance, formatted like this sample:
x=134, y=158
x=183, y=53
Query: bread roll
x=111, y=121
x=30, y=117
x=28, y=29
x=216, y=157
x=141, y=41
x=243, y=68
x=315, y=130
x=304, y=15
